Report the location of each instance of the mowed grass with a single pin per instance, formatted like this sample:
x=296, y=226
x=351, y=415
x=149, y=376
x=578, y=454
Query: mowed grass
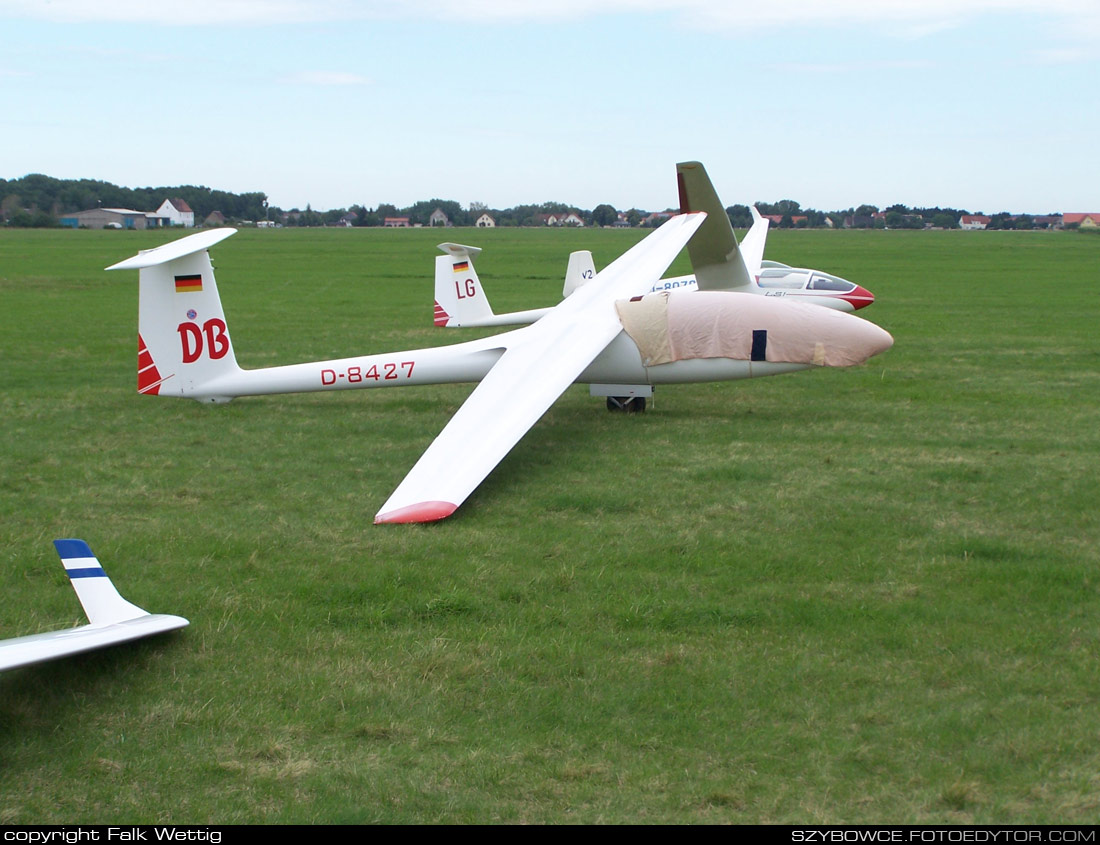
x=858, y=595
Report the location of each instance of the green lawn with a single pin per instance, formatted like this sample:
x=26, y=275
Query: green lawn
x=860, y=595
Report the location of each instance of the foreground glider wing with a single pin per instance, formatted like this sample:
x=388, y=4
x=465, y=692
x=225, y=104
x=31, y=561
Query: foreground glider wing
x=539, y=363
x=111, y=618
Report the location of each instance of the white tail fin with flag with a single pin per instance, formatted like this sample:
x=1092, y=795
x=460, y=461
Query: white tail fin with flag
x=459, y=299
x=183, y=341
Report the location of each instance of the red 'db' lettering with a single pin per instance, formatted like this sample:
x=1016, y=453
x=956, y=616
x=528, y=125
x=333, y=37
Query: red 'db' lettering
x=191, y=341
x=217, y=341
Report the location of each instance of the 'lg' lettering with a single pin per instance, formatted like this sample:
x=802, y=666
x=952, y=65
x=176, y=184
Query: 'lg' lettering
x=212, y=336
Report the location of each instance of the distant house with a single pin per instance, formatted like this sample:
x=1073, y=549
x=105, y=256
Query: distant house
x=214, y=218
x=439, y=218
x=859, y=221
x=621, y=221
x=657, y=218
x=176, y=212
x=485, y=222
x=396, y=223
x=567, y=218
x=106, y=218
x=974, y=221
x=1085, y=221
x=777, y=219
x=1048, y=221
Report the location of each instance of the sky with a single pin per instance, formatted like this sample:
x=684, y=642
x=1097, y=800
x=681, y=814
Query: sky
x=987, y=105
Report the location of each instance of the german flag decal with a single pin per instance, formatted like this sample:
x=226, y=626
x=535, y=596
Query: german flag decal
x=462, y=266
x=189, y=284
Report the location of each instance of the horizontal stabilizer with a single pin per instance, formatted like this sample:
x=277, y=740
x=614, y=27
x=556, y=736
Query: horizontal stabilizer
x=461, y=250
x=174, y=250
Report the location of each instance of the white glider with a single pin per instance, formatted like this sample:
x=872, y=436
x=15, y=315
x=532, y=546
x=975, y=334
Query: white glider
x=718, y=262
x=599, y=336
x=111, y=618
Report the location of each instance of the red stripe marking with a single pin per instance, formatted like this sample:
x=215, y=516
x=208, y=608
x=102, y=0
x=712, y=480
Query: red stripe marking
x=441, y=316
x=148, y=376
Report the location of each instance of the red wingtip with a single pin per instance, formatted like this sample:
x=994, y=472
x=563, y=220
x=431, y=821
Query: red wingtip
x=420, y=512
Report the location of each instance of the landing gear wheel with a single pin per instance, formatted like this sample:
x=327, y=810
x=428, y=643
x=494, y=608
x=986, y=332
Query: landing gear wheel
x=626, y=404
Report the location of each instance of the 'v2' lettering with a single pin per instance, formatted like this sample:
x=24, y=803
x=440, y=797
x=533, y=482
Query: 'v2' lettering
x=212, y=336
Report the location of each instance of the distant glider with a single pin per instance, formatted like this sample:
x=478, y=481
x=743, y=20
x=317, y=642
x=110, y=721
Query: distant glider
x=607, y=333
x=718, y=262
x=111, y=618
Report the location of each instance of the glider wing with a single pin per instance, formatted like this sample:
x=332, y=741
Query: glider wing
x=541, y=361
x=111, y=618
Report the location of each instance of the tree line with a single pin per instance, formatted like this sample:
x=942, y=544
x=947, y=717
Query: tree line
x=38, y=200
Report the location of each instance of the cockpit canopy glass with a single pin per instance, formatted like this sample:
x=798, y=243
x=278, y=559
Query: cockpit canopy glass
x=823, y=281
x=783, y=278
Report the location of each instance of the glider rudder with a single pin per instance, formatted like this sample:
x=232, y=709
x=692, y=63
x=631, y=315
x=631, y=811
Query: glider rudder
x=183, y=340
x=715, y=258
x=459, y=299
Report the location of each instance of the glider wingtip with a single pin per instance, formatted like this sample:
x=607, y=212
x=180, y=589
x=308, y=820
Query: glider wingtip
x=174, y=623
x=420, y=512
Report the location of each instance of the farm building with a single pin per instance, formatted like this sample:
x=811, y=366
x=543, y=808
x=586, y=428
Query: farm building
x=106, y=218
x=1085, y=221
x=974, y=221
x=175, y=212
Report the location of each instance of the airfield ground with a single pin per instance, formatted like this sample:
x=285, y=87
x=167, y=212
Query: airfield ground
x=864, y=595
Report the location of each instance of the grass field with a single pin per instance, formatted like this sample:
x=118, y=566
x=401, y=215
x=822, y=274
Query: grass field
x=860, y=595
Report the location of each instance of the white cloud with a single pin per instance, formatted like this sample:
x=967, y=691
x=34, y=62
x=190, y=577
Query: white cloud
x=179, y=12
x=735, y=15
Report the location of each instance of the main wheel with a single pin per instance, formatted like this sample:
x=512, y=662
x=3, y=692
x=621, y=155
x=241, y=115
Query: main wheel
x=626, y=404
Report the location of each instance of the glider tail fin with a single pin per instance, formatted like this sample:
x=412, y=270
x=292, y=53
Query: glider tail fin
x=459, y=298
x=183, y=341
x=580, y=270
x=752, y=247
x=716, y=259
x=101, y=601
